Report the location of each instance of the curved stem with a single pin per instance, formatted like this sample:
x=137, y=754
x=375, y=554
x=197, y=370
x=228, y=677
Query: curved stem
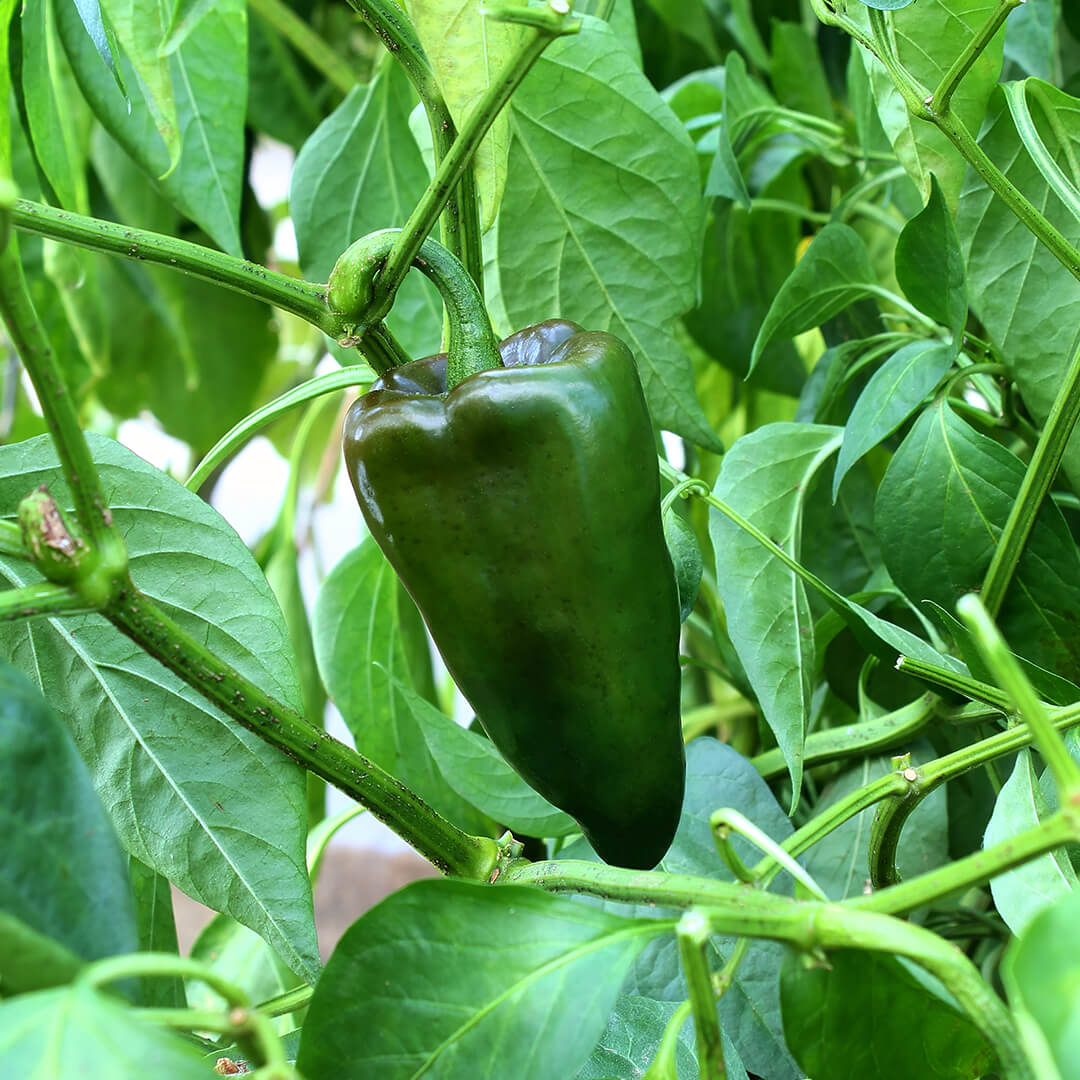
x=141, y=965
x=301, y=298
x=460, y=229
x=459, y=156
x=472, y=347
x=442, y=843
x=32, y=344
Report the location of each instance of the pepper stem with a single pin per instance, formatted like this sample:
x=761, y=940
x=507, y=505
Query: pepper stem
x=472, y=346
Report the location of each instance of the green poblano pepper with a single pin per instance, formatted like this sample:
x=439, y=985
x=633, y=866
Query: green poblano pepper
x=521, y=509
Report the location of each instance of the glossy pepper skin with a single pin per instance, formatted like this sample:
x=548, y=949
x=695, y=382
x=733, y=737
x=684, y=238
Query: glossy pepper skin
x=521, y=510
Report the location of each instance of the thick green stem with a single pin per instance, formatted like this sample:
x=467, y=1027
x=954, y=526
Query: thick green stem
x=1038, y=477
x=306, y=42
x=460, y=228
x=442, y=843
x=161, y=965
x=11, y=540
x=35, y=601
x=976, y=869
x=851, y=740
x=693, y=934
x=31, y=343
x=301, y=298
x=942, y=96
x=472, y=347
x=459, y=157
x=1007, y=671
x=944, y=679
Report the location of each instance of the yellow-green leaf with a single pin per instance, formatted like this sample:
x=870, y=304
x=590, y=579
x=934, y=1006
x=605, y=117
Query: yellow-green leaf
x=467, y=51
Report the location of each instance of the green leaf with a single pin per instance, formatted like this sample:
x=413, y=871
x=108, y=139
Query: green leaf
x=717, y=775
x=206, y=185
x=1028, y=302
x=838, y=862
x=472, y=766
x=140, y=26
x=765, y=477
x=940, y=509
x=195, y=796
x=1020, y=894
x=32, y=960
x=361, y=171
x=56, y=115
x=1031, y=39
x=893, y=393
x=797, y=72
x=834, y=272
x=157, y=933
x=1041, y=972
x=849, y=1020
x=930, y=265
x=78, y=1031
x=629, y=1043
x=929, y=35
x=186, y=15
x=453, y=979
x=627, y=265
x=62, y=863
x=467, y=52
x=685, y=552
x=356, y=627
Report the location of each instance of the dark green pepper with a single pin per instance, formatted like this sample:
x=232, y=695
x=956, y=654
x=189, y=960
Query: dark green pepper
x=522, y=511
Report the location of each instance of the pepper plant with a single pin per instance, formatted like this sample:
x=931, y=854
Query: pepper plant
x=841, y=241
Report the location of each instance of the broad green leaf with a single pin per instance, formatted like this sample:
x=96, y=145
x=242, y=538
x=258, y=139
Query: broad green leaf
x=929, y=35
x=32, y=960
x=361, y=171
x=893, y=393
x=74, y=273
x=765, y=476
x=359, y=646
x=692, y=19
x=281, y=102
x=797, y=73
x=1020, y=894
x=627, y=265
x=939, y=512
x=192, y=353
x=100, y=34
x=930, y=266
x=834, y=272
x=195, y=796
x=1028, y=302
x=63, y=866
x=186, y=15
x=1031, y=37
x=686, y=558
x=206, y=184
x=472, y=766
x=468, y=52
x=863, y=1016
x=140, y=26
x=629, y=1043
x=453, y=979
x=78, y=1031
x=718, y=776
x=156, y=926
x=56, y=115
x=838, y=862
x=1041, y=972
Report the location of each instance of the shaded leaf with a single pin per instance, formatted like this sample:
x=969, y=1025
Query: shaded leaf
x=195, y=796
x=450, y=978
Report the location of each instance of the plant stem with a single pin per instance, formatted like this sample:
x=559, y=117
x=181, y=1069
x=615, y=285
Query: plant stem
x=1007, y=671
x=693, y=934
x=855, y=739
x=442, y=843
x=44, y=598
x=161, y=965
x=975, y=869
x=306, y=42
x=460, y=228
x=726, y=821
x=301, y=298
x=1039, y=475
x=11, y=540
x=944, y=679
x=32, y=344
x=942, y=96
x=458, y=158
